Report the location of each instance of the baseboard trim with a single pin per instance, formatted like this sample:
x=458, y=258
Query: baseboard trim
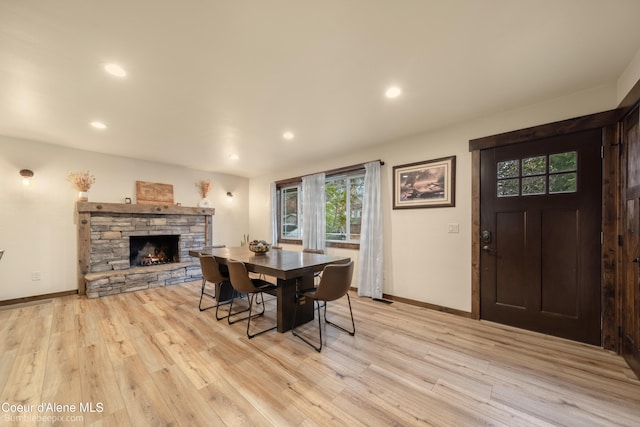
x=37, y=297
x=429, y=306
x=422, y=304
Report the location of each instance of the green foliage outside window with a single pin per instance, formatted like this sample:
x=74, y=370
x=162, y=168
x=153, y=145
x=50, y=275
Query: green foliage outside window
x=344, y=214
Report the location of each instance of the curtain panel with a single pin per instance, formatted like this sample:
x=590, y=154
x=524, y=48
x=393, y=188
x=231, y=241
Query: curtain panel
x=313, y=212
x=370, y=265
x=274, y=214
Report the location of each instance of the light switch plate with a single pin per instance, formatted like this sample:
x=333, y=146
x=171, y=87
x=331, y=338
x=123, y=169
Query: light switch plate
x=453, y=228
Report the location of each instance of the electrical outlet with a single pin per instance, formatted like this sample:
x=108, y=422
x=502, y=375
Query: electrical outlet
x=35, y=276
x=453, y=228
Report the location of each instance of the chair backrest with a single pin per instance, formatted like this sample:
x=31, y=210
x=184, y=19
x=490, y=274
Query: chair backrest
x=335, y=281
x=239, y=277
x=314, y=251
x=210, y=269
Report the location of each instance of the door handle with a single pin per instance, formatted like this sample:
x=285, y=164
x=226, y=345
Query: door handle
x=636, y=260
x=486, y=248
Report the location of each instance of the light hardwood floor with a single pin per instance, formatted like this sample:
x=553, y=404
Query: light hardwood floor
x=151, y=358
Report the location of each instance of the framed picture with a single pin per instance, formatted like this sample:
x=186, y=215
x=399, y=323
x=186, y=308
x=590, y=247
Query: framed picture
x=428, y=184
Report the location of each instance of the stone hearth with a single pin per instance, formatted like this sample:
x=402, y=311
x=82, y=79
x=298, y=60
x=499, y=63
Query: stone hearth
x=104, y=249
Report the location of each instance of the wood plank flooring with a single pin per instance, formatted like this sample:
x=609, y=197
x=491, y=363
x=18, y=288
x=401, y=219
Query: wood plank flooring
x=150, y=358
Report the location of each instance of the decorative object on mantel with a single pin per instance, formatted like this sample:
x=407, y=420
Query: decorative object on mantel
x=259, y=247
x=82, y=182
x=127, y=200
x=204, y=187
x=151, y=193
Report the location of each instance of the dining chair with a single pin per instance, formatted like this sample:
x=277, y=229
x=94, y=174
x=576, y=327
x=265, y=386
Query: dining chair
x=334, y=284
x=318, y=274
x=313, y=251
x=223, y=291
x=243, y=284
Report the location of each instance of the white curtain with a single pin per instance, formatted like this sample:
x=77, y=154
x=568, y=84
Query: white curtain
x=370, y=261
x=313, y=212
x=274, y=214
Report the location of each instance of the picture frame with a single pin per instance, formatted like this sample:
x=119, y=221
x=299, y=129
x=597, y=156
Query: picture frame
x=426, y=184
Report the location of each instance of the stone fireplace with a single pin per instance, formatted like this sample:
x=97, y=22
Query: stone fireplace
x=125, y=247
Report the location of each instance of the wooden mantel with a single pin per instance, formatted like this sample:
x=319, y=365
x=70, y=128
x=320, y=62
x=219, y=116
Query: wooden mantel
x=88, y=207
x=85, y=210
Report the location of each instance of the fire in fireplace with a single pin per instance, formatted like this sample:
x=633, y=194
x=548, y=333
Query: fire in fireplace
x=153, y=250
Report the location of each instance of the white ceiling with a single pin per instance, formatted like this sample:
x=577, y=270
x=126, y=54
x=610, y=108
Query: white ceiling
x=209, y=78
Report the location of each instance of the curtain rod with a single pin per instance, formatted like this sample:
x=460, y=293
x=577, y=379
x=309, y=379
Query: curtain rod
x=344, y=169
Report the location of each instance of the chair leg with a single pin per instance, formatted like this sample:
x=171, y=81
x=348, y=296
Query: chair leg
x=228, y=313
x=202, y=294
x=231, y=313
x=249, y=317
x=351, y=332
x=212, y=296
x=293, y=326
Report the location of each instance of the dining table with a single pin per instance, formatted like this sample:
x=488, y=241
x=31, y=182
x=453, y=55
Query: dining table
x=292, y=270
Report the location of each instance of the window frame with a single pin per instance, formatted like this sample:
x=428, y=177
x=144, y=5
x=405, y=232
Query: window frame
x=348, y=177
x=281, y=236
x=354, y=170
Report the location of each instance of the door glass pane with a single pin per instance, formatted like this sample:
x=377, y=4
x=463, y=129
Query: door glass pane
x=509, y=169
x=534, y=166
x=562, y=162
x=508, y=187
x=534, y=185
x=563, y=183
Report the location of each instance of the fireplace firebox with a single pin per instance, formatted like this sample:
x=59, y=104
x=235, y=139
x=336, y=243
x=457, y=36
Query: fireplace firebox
x=153, y=250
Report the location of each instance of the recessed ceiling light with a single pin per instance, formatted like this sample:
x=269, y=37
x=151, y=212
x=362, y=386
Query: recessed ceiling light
x=393, y=92
x=288, y=135
x=234, y=157
x=115, y=70
x=97, y=125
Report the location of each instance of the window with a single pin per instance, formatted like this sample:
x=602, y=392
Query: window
x=290, y=213
x=344, y=207
x=343, y=192
x=535, y=178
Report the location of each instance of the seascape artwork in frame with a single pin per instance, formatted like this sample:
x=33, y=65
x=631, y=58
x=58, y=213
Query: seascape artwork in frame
x=427, y=184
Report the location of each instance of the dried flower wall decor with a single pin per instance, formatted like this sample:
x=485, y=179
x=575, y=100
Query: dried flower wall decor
x=204, y=187
x=82, y=181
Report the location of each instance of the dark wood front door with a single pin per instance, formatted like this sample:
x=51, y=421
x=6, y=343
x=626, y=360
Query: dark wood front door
x=630, y=301
x=540, y=218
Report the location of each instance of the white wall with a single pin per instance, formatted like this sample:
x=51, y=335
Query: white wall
x=37, y=229
x=422, y=261
x=629, y=77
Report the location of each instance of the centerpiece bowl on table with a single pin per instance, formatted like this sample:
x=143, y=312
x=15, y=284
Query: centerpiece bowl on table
x=259, y=247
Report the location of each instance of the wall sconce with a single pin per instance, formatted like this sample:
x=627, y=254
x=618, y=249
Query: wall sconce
x=230, y=194
x=26, y=175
